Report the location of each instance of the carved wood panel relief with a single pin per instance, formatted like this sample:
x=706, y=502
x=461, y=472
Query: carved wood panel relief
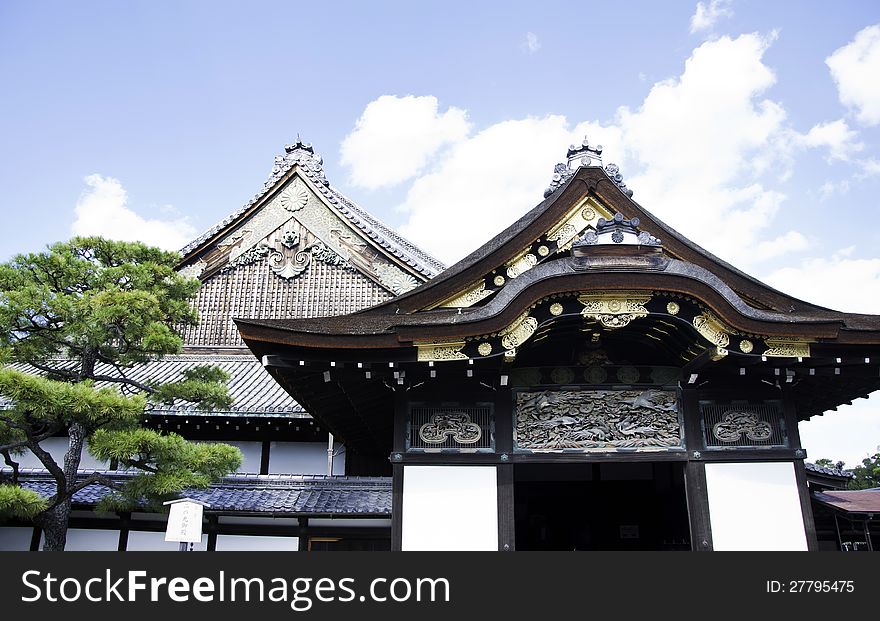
x=552, y=420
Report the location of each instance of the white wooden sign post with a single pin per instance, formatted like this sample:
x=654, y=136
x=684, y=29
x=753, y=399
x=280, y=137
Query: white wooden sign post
x=185, y=522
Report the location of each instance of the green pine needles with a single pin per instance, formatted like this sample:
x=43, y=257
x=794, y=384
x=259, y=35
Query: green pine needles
x=70, y=312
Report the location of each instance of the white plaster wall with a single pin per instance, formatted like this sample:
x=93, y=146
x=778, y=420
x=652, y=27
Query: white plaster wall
x=450, y=508
x=139, y=540
x=251, y=453
x=303, y=458
x=15, y=538
x=227, y=543
x=91, y=539
x=57, y=448
x=755, y=506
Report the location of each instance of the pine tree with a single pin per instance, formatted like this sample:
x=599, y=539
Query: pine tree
x=70, y=312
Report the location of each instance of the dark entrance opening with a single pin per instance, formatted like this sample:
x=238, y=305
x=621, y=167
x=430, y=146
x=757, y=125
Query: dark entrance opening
x=601, y=506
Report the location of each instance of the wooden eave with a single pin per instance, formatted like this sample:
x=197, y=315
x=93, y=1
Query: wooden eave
x=390, y=330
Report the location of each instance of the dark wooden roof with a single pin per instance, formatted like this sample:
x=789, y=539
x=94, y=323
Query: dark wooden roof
x=741, y=300
x=530, y=271
x=596, y=182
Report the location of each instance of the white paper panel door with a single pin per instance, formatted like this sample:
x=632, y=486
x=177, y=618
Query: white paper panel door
x=755, y=506
x=450, y=508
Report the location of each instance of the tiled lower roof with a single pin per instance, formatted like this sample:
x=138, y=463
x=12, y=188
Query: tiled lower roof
x=830, y=471
x=253, y=391
x=852, y=501
x=301, y=495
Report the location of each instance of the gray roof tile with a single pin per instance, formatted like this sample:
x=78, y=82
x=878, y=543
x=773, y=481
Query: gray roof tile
x=287, y=494
x=253, y=390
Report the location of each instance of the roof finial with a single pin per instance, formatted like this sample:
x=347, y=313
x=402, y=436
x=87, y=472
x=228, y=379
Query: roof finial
x=299, y=145
x=584, y=155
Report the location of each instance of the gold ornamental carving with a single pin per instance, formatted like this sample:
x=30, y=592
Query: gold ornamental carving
x=614, y=309
x=469, y=297
x=574, y=223
x=786, y=347
x=672, y=308
x=440, y=352
x=711, y=329
x=746, y=346
x=556, y=309
x=518, y=332
x=484, y=349
x=521, y=264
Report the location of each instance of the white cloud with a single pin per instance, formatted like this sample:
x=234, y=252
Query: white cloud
x=531, y=44
x=837, y=136
x=698, y=173
x=395, y=138
x=830, y=189
x=840, y=282
x=703, y=152
x=485, y=183
x=855, y=68
x=707, y=15
x=870, y=167
x=102, y=209
x=850, y=434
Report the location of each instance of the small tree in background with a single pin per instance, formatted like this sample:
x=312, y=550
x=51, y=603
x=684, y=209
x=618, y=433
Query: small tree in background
x=73, y=312
x=867, y=475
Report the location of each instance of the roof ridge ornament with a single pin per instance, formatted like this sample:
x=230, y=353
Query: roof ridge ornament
x=584, y=155
x=617, y=230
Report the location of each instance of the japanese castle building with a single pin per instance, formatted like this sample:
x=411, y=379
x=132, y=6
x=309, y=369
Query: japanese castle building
x=589, y=379
x=298, y=249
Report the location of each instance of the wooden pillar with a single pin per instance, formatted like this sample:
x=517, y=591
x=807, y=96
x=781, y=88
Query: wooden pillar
x=124, y=525
x=401, y=419
x=35, y=539
x=698, y=506
x=695, y=473
x=503, y=416
x=303, y=534
x=264, y=457
x=396, y=507
x=213, y=530
x=800, y=471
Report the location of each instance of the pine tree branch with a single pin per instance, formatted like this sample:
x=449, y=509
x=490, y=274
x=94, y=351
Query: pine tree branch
x=141, y=465
x=122, y=380
x=95, y=477
x=65, y=373
x=47, y=460
x=11, y=463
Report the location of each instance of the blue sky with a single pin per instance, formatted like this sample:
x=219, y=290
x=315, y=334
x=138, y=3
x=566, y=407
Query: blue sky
x=752, y=127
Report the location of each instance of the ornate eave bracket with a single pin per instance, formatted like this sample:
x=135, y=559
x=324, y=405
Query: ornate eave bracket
x=614, y=309
x=786, y=347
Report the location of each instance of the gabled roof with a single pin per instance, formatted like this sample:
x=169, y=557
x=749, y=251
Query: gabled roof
x=302, y=158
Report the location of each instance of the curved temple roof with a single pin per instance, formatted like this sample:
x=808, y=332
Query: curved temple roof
x=567, y=259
